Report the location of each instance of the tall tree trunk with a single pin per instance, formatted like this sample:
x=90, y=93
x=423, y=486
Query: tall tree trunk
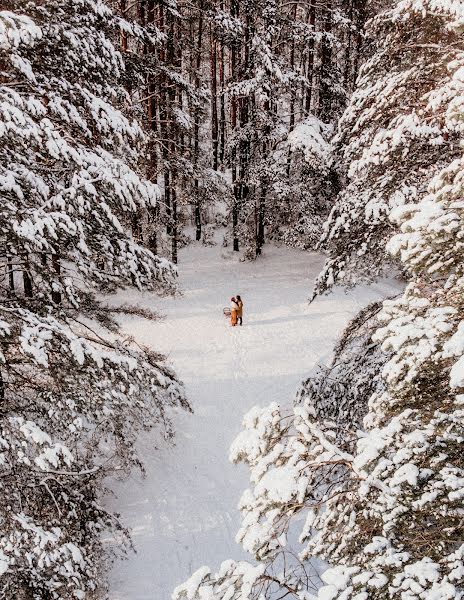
x=361, y=14
x=174, y=231
x=196, y=132
x=214, y=110
x=325, y=99
x=11, y=282
x=260, y=224
x=235, y=53
x=27, y=280
x=222, y=103
x=311, y=19
x=348, y=50
x=244, y=114
x=292, y=91
x=123, y=8
x=153, y=211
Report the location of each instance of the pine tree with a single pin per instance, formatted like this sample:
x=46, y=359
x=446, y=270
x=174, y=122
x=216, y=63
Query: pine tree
x=392, y=138
x=73, y=396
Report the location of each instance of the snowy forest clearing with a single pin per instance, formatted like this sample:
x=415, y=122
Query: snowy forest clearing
x=183, y=514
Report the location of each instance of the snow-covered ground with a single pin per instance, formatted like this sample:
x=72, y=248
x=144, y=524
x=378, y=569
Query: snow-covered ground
x=183, y=514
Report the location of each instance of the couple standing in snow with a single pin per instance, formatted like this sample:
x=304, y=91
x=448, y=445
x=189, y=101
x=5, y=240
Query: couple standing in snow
x=236, y=310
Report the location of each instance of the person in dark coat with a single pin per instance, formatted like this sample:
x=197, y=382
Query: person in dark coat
x=233, y=312
x=240, y=309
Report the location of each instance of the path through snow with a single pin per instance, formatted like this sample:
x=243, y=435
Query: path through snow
x=183, y=514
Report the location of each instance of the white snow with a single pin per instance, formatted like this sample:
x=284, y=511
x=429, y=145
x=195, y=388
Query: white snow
x=183, y=514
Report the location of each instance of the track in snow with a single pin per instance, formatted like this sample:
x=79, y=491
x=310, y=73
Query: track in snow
x=183, y=514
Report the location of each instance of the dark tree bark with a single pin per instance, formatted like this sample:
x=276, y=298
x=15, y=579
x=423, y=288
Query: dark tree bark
x=11, y=282
x=174, y=231
x=196, y=132
x=214, y=109
x=324, y=109
x=27, y=280
x=235, y=53
x=311, y=19
x=222, y=105
x=56, y=295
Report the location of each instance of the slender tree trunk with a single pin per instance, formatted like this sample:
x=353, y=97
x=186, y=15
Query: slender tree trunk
x=292, y=92
x=123, y=8
x=324, y=109
x=167, y=199
x=261, y=215
x=214, y=110
x=153, y=211
x=235, y=53
x=174, y=232
x=348, y=50
x=27, y=280
x=196, y=133
x=11, y=283
x=311, y=18
x=360, y=22
x=222, y=103
x=244, y=114
x=56, y=295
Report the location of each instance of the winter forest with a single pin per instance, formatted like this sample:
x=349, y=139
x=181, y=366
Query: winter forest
x=160, y=156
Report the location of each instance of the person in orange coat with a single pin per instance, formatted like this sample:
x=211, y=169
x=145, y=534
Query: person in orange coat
x=233, y=312
x=240, y=310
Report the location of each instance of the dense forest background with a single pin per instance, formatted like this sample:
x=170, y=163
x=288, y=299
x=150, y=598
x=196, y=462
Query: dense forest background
x=240, y=100
x=334, y=125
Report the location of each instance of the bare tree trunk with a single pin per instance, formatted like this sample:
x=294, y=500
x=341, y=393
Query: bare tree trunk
x=235, y=53
x=360, y=22
x=348, y=51
x=174, y=231
x=214, y=110
x=196, y=133
x=292, y=92
x=261, y=215
x=222, y=105
x=27, y=280
x=153, y=211
x=325, y=93
x=311, y=18
x=123, y=8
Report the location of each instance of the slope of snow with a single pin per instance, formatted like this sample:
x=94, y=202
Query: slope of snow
x=183, y=514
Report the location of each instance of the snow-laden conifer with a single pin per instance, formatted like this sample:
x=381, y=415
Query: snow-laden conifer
x=396, y=134
x=73, y=396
